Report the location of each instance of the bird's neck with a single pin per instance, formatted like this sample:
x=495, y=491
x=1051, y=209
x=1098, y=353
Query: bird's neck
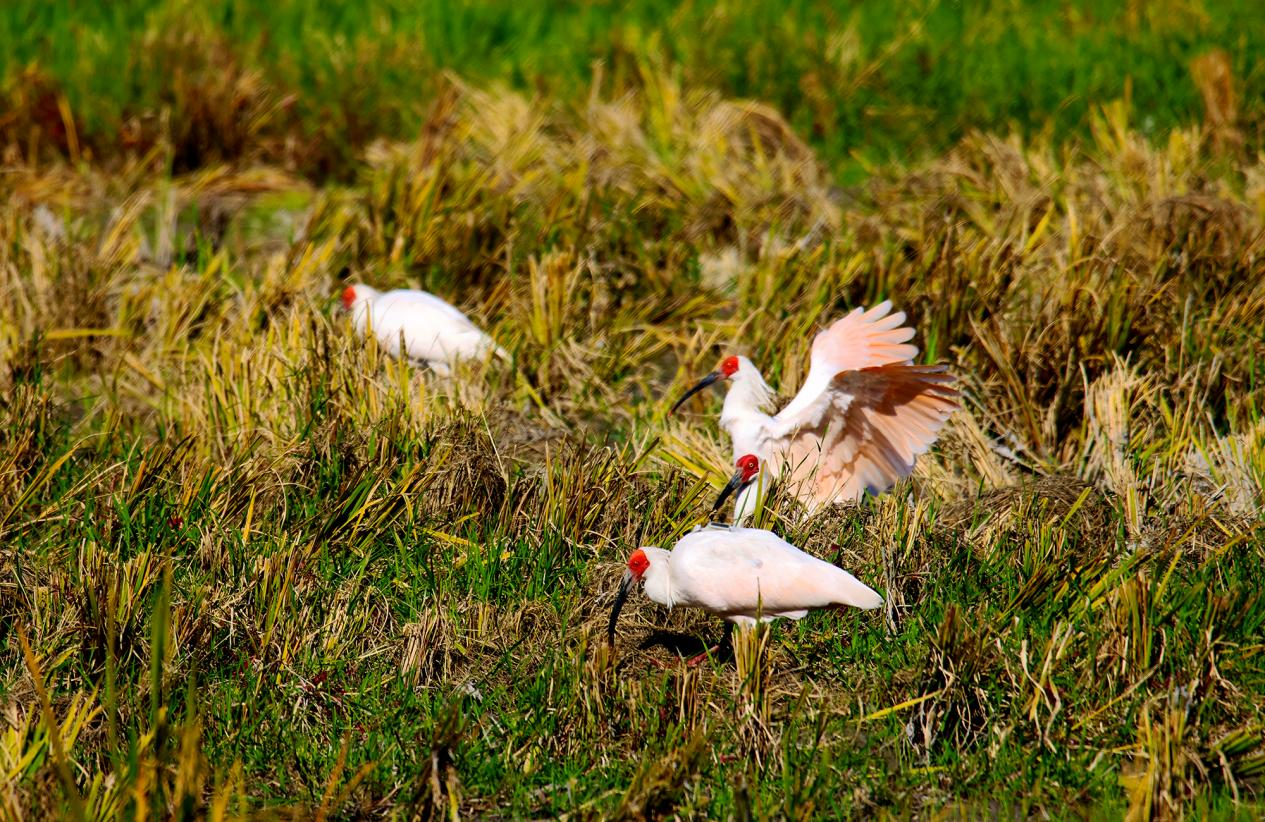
x=749, y=399
x=360, y=311
x=750, y=498
x=658, y=584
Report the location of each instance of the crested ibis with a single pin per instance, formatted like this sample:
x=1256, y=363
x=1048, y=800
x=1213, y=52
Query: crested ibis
x=418, y=325
x=862, y=416
x=744, y=575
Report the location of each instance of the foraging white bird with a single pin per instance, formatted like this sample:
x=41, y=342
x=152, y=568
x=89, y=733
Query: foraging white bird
x=418, y=324
x=862, y=416
x=745, y=575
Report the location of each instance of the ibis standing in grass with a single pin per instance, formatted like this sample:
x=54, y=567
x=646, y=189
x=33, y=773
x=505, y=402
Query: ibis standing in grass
x=744, y=575
x=418, y=325
x=862, y=416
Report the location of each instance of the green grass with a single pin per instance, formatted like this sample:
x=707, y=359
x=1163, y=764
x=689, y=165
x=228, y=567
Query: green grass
x=864, y=82
x=263, y=569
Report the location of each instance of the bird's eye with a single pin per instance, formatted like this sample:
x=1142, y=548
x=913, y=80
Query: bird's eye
x=729, y=366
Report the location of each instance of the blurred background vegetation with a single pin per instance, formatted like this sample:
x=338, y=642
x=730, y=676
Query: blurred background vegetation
x=309, y=82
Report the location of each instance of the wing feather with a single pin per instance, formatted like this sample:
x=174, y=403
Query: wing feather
x=864, y=412
x=880, y=419
x=860, y=339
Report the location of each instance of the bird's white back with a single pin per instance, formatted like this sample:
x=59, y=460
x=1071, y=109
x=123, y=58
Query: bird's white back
x=745, y=572
x=432, y=330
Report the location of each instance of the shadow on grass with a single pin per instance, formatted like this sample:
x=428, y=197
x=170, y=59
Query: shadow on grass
x=685, y=646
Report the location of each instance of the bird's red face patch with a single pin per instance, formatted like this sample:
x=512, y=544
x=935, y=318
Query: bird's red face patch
x=349, y=297
x=638, y=563
x=749, y=465
x=729, y=366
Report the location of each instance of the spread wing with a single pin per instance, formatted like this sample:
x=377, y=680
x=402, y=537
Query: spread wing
x=864, y=413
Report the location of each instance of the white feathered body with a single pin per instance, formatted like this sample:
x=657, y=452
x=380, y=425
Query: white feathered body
x=749, y=574
x=420, y=326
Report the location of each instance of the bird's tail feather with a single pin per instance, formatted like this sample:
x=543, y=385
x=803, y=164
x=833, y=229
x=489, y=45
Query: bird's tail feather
x=856, y=593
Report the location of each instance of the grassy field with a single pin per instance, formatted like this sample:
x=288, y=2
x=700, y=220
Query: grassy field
x=308, y=84
x=250, y=565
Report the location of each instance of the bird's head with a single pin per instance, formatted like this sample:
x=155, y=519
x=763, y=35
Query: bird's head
x=638, y=565
x=746, y=469
x=349, y=297
x=728, y=367
x=354, y=295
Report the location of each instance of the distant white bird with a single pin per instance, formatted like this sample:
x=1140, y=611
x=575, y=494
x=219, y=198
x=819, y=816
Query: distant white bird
x=418, y=325
x=862, y=416
x=744, y=575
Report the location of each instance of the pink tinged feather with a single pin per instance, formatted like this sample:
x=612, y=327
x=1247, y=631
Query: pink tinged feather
x=881, y=419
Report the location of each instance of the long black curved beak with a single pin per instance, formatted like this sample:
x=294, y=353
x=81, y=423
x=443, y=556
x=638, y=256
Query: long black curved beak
x=625, y=586
x=735, y=485
x=699, y=386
